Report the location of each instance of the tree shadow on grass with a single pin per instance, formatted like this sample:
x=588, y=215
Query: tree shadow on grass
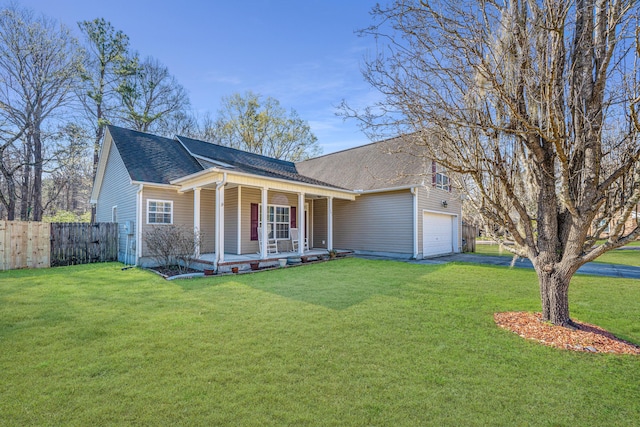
x=339, y=284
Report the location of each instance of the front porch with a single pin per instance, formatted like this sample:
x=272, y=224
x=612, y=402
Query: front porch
x=243, y=262
x=239, y=217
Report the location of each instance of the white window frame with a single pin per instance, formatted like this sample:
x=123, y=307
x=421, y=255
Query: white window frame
x=442, y=178
x=271, y=214
x=114, y=213
x=169, y=202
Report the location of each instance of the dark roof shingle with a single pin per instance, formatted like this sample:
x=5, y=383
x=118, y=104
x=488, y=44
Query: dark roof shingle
x=243, y=161
x=153, y=159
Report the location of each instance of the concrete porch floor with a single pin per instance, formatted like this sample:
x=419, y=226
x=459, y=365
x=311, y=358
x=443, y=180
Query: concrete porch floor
x=243, y=261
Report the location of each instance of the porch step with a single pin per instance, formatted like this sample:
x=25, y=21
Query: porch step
x=273, y=261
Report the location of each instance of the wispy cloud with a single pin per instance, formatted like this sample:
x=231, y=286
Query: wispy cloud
x=216, y=78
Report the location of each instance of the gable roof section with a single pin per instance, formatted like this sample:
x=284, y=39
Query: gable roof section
x=152, y=159
x=242, y=161
x=392, y=163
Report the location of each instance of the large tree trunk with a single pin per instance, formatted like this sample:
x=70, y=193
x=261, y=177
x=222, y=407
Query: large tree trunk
x=554, y=291
x=12, y=197
x=25, y=207
x=37, y=173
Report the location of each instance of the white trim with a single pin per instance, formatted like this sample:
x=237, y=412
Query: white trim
x=103, y=156
x=308, y=227
x=414, y=191
x=219, y=238
x=196, y=219
x=239, y=230
x=329, y=223
x=180, y=181
x=156, y=185
x=262, y=212
x=170, y=202
x=139, y=224
x=301, y=225
x=114, y=213
x=386, y=190
x=310, y=222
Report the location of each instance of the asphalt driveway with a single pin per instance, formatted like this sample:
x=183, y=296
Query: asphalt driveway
x=593, y=268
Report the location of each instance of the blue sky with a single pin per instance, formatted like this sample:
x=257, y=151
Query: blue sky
x=304, y=53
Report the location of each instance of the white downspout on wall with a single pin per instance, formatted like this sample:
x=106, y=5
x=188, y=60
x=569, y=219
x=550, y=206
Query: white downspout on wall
x=239, y=230
x=414, y=191
x=219, y=246
x=139, y=225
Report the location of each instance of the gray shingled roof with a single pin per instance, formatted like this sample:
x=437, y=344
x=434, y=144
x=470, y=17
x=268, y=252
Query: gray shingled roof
x=243, y=161
x=384, y=164
x=395, y=162
x=151, y=158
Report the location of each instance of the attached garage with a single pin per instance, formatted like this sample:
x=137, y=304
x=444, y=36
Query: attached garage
x=439, y=233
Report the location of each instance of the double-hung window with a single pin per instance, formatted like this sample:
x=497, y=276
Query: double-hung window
x=441, y=179
x=277, y=221
x=159, y=212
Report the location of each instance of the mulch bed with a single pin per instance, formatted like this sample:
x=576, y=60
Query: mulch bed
x=586, y=337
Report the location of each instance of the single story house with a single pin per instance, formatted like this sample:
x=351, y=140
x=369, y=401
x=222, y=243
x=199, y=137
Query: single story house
x=378, y=198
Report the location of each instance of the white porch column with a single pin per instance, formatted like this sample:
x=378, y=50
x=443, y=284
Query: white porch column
x=239, y=230
x=219, y=223
x=264, y=236
x=330, y=223
x=300, y=220
x=196, y=220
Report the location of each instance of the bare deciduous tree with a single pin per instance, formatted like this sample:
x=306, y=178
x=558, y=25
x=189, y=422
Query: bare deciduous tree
x=150, y=94
x=262, y=126
x=39, y=66
x=535, y=105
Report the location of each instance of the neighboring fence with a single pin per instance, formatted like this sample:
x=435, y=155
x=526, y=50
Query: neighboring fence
x=469, y=234
x=25, y=244
x=83, y=243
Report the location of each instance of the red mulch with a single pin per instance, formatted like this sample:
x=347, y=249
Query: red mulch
x=585, y=337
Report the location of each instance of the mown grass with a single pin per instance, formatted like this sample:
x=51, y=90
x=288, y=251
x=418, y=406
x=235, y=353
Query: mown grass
x=349, y=342
x=627, y=257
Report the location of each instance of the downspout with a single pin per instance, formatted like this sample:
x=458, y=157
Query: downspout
x=218, y=227
x=139, y=226
x=414, y=192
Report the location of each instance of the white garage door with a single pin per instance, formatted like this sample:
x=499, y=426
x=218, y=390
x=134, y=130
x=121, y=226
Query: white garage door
x=437, y=234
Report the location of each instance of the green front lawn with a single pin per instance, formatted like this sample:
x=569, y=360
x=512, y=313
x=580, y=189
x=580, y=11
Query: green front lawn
x=627, y=257
x=348, y=342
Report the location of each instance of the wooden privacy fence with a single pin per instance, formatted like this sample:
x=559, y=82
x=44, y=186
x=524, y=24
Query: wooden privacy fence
x=37, y=244
x=24, y=244
x=83, y=243
x=469, y=234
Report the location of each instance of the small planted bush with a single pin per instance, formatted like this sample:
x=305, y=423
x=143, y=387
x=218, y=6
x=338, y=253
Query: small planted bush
x=173, y=247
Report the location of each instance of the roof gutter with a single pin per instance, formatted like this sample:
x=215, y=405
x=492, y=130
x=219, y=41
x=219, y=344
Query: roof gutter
x=385, y=190
x=155, y=185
